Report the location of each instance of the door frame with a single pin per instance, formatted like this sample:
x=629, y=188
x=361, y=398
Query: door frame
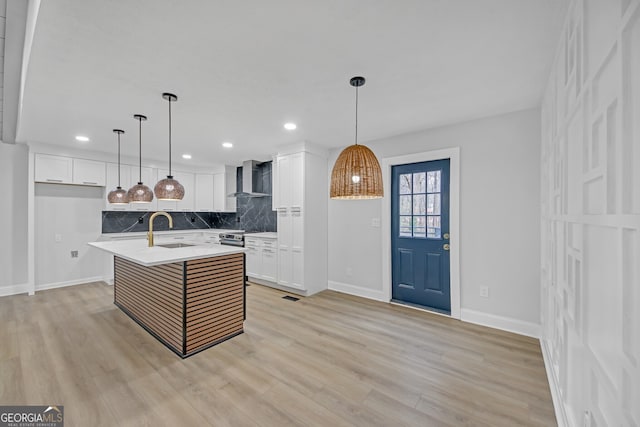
x=453, y=154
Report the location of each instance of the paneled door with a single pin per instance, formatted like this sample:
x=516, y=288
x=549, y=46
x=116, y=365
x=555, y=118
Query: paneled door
x=420, y=234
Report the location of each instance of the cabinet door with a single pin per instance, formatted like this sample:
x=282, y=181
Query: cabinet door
x=223, y=185
x=111, y=183
x=53, y=169
x=297, y=180
x=89, y=172
x=284, y=182
x=187, y=180
x=285, y=237
x=269, y=264
x=297, y=228
x=204, y=193
x=297, y=267
x=275, y=184
x=284, y=266
x=254, y=262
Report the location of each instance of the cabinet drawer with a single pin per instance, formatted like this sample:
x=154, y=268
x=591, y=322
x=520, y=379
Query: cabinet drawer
x=252, y=242
x=269, y=243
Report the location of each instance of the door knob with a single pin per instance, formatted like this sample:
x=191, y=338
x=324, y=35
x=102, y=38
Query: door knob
x=446, y=235
x=446, y=246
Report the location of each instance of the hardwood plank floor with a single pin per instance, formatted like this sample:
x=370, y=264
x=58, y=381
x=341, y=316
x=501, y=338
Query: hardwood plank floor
x=326, y=360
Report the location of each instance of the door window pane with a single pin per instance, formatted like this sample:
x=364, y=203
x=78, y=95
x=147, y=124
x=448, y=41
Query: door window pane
x=405, y=205
x=405, y=226
x=433, y=227
x=419, y=226
x=419, y=182
x=433, y=204
x=405, y=183
x=419, y=204
x=433, y=182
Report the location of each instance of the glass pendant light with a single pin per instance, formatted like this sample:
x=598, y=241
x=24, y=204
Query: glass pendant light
x=118, y=196
x=169, y=188
x=140, y=193
x=356, y=173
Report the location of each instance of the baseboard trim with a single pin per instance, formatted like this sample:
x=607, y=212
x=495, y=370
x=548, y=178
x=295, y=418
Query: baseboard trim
x=6, y=291
x=554, y=386
x=54, y=285
x=358, y=291
x=499, y=322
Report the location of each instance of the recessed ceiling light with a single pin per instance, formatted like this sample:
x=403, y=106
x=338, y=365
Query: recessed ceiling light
x=290, y=126
x=227, y=144
x=186, y=156
x=82, y=138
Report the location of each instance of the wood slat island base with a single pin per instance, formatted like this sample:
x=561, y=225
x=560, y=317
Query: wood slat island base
x=189, y=305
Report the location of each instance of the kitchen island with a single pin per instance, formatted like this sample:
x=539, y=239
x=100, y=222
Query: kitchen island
x=189, y=296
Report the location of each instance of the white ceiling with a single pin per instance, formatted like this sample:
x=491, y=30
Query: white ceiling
x=243, y=68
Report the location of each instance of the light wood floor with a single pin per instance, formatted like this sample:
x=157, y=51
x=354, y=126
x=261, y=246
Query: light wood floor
x=326, y=360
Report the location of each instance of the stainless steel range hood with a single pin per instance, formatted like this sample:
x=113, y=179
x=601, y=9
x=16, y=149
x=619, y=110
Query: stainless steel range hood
x=251, y=180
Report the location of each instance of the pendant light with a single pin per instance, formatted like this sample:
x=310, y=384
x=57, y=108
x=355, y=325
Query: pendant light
x=169, y=188
x=118, y=196
x=140, y=193
x=356, y=173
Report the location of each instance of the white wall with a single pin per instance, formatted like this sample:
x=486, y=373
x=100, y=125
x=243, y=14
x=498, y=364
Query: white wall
x=499, y=217
x=591, y=216
x=13, y=218
x=74, y=213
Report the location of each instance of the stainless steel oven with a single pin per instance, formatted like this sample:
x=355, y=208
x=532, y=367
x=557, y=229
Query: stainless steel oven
x=232, y=239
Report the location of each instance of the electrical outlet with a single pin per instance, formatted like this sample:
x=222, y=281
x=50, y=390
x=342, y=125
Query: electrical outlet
x=74, y=254
x=484, y=291
x=140, y=220
x=58, y=238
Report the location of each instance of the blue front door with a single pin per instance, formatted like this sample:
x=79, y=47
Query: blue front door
x=420, y=234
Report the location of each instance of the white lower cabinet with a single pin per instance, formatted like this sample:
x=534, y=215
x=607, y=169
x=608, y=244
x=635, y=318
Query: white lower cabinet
x=262, y=258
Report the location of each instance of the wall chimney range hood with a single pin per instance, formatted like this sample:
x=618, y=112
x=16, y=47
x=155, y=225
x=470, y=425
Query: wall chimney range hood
x=251, y=180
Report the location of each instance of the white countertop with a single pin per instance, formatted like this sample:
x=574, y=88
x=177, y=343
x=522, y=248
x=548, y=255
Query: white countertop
x=264, y=235
x=136, y=250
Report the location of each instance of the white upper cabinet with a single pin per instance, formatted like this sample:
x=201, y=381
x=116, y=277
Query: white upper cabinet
x=187, y=180
x=282, y=183
x=89, y=172
x=204, y=193
x=67, y=170
x=223, y=185
x=54, y=169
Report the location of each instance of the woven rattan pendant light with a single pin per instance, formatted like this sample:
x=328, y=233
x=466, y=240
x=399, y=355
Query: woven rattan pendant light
x=140, y=193
x=169, y=188
x=356, y=173
x=119, y=196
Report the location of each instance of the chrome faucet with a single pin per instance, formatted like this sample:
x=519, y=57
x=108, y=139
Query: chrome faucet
x=150, y=233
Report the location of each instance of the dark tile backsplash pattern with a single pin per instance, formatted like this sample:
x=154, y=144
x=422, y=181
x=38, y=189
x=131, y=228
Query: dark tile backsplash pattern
x=253, y=214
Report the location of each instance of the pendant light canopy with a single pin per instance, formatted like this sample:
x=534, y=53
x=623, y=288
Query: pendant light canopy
x=356, y=173
x=169, y=188
x=118, y=196
x=140, y=193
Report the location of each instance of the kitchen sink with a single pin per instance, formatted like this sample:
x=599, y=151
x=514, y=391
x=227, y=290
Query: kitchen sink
x=175, y=245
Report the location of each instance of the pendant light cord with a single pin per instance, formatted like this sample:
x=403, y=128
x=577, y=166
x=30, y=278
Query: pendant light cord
x=140, y=145
x=356, y=115
x=118, y=160
x=169, y=136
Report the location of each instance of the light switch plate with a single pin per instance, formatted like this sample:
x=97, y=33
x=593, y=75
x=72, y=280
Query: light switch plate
x=58, y=238
x=375, y=222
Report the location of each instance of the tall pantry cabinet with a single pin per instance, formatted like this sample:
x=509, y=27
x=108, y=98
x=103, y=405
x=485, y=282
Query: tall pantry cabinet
x=300, y=198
